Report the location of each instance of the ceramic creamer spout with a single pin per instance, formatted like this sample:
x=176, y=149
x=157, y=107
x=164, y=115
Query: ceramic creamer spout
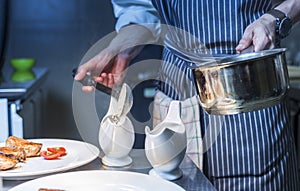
x=171, y=123
x=165, y=145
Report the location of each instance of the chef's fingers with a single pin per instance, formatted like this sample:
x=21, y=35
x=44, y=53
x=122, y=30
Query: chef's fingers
x=261, y=33
x=118, y=78
x=86, y=67
x=118, y=71
x=262, y=41
x=95, y=65
x=102, y=79
x=88, y=88
x=245, y=41
x=81, y=72
x=106, y=79
x=110, y=82
x=264, y=33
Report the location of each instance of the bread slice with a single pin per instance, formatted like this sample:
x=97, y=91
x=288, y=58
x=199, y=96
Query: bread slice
x=14, y=153
x=31, y=149
x=6, y=162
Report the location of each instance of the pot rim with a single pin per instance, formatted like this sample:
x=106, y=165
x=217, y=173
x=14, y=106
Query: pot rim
x=238, y=58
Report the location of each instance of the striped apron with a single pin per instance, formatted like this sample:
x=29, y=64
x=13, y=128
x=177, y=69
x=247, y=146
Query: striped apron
x=248, y=151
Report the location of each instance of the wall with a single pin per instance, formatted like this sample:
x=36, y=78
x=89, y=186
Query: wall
x=293, y=46
x=2, y=31
x=57, y=33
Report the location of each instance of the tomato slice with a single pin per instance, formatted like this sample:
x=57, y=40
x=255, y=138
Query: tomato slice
x=60, y=150
x=49, y=155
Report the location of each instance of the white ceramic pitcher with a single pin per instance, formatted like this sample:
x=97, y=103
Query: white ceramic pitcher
x=165, y=145
x=116, y=134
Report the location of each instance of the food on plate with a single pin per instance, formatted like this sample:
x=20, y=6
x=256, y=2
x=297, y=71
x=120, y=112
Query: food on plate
x=17, y=150
x=14, y=153
x=49, y=155
x=53, y=153
x=7, y=162
x=31, y=149
x=60, y=150
x=46, y=189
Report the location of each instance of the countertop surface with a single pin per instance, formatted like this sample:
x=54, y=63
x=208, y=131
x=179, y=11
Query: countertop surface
x=13, y=90
x=192, y=179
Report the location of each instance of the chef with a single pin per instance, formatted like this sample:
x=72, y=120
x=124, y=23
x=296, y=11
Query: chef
x=253, y=150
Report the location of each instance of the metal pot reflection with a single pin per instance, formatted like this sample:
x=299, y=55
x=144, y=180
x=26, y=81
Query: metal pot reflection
x=242, y=83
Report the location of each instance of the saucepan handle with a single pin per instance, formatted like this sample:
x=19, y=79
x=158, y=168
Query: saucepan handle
x=89, y=81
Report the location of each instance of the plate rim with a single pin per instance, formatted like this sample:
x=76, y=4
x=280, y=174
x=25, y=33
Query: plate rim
x=105, y=172
x=6, y=175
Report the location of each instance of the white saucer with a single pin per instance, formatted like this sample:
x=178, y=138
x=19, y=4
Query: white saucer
x=172, y=175
x=116, y=162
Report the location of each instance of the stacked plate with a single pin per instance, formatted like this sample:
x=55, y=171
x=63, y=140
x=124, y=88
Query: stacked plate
x=78, y=154
x=99, y=180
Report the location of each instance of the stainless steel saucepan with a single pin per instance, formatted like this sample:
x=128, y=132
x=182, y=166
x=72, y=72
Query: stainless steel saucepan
x=243, y=82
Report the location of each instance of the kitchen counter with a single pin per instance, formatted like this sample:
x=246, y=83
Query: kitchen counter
x=193, y=178
x=21, y=102
x=13, y=90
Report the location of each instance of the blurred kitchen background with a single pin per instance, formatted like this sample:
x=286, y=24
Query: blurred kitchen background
x=58, y=33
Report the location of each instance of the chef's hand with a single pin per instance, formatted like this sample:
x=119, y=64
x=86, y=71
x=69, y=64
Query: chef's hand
x=260, y=34
x=108, y=67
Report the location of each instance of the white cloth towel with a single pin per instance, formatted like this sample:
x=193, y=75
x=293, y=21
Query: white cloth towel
x=190, y=116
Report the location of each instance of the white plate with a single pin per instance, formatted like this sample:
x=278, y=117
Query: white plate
x=96, y=180
x=78, y=154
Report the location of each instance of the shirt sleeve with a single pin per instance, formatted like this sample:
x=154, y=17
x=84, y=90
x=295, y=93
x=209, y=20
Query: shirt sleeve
x=139, y=12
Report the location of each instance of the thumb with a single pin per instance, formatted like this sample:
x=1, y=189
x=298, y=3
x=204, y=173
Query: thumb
x=244, y=43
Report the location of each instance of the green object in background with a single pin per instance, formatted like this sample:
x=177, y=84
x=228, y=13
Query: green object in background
x=22, y=76
x=22, y=69
x=22, y=64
